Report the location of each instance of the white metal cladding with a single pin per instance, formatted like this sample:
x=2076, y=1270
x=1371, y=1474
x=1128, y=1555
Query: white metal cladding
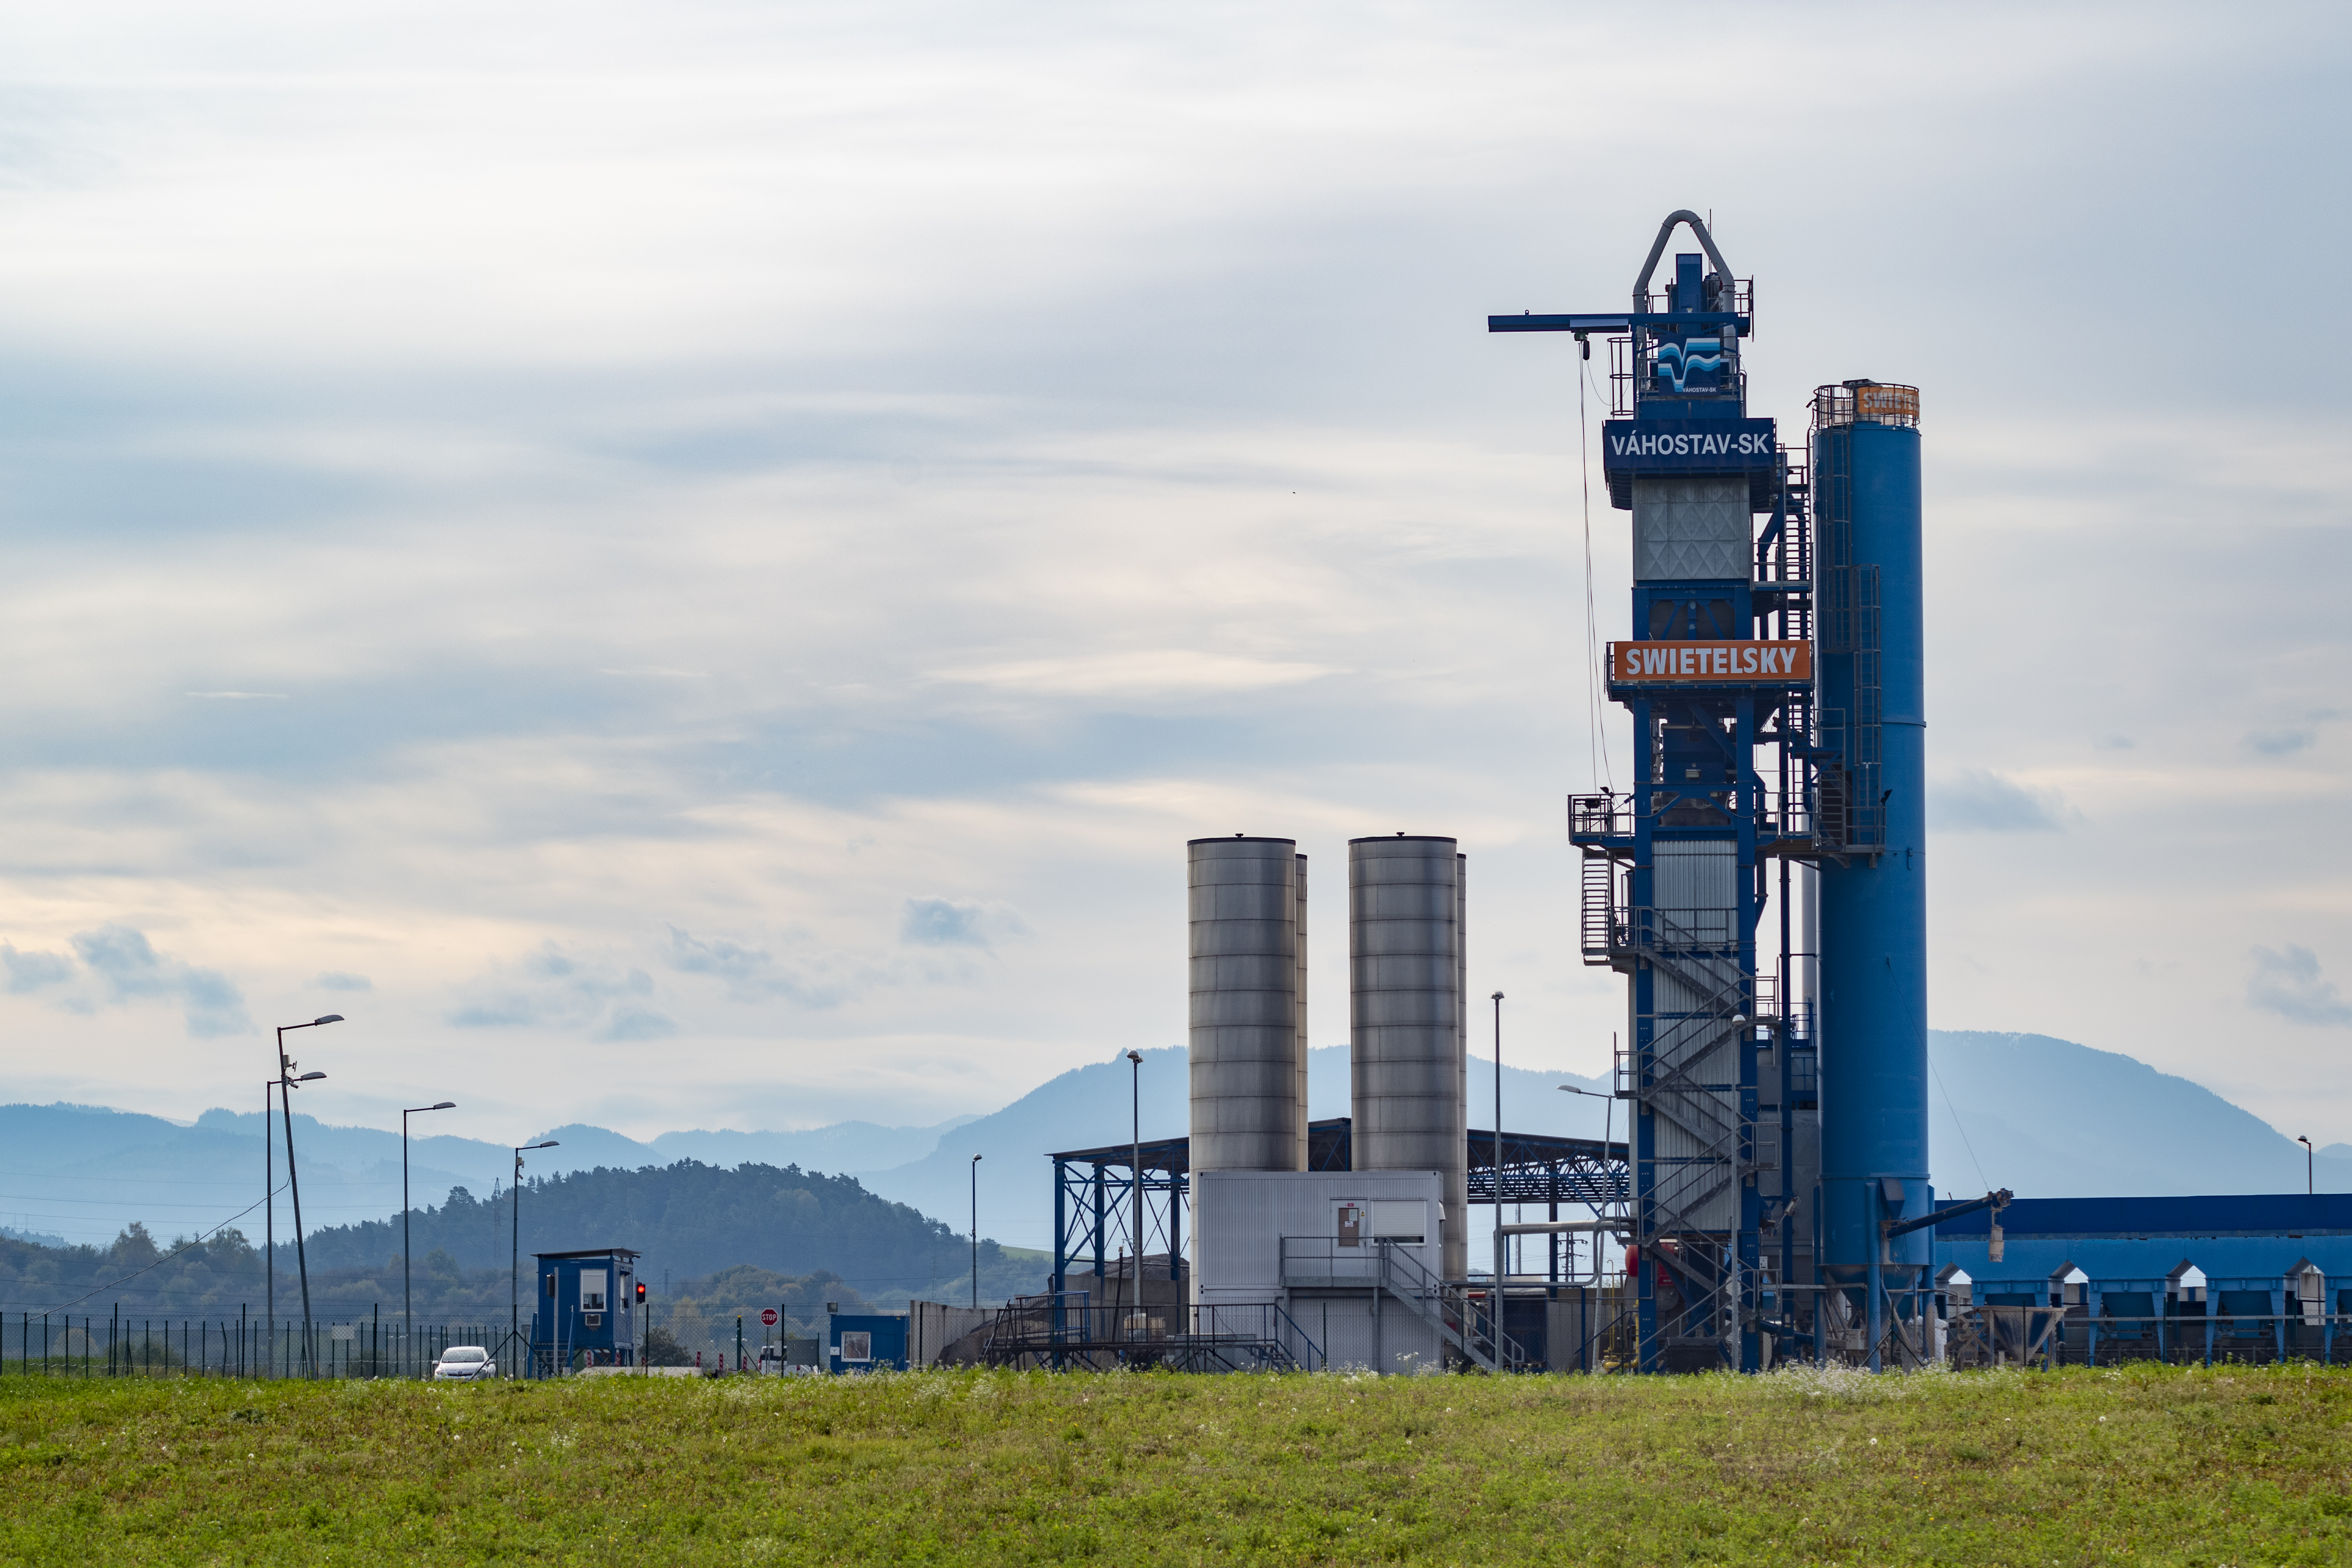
x=1239, y=1218
x=1689, y=527
x=1695, y=874
x=1406, y=1067
x=1247, y=1058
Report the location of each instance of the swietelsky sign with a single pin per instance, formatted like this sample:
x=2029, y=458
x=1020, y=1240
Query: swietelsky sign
x=1718, y=663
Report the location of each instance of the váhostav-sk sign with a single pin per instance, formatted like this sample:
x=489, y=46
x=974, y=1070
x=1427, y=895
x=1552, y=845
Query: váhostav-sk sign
x=1711, y=663
x=1688, y=446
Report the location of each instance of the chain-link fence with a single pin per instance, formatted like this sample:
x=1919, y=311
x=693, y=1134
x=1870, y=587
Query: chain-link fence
x=121, y=1344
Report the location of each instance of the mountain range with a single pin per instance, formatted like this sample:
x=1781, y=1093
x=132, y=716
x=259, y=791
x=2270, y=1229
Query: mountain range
x=2041, y=1116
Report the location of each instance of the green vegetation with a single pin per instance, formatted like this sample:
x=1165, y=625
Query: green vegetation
x=753, y=1237
x=2143, y=1465
x=696, y=1219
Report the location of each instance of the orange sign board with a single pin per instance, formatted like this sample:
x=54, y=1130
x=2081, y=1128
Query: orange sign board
x=1895, y=402
x=1723, y=663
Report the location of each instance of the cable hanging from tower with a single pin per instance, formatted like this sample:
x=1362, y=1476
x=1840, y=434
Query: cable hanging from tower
x=1596, y=729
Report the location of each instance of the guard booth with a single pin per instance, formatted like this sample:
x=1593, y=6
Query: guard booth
x=866, y=1341
x=586, y=1312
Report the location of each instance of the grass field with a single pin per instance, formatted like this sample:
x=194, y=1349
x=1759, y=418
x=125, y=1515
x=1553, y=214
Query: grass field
x=2228, y=1466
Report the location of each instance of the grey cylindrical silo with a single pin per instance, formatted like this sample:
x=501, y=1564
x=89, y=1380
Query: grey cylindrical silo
x=1457, y=1179
x=1304, y=1110
x=1248, y=1069
x=1406, y=1064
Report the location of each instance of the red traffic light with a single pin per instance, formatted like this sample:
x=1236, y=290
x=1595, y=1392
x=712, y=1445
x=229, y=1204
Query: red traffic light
x=641, y=1292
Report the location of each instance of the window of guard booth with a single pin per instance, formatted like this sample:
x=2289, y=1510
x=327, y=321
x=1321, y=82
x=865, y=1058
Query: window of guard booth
x=1405, y=1220
x=856, y=1345
x=591, y=1289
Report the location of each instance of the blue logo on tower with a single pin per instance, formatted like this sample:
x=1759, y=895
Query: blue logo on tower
x=1688, y=364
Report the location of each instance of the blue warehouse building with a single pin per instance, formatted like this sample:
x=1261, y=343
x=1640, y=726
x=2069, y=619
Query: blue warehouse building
x=2224, y=1277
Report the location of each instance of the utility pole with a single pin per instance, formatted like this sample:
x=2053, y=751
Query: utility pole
x=286, y=1081
x=514, y=1261
x=1135, y=1094
x=1499, y=1175
x=269, y=1224
x=975, y=1232
x=407, y=1312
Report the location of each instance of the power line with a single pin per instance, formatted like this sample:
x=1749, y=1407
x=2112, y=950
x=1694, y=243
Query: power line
x=167, y=1258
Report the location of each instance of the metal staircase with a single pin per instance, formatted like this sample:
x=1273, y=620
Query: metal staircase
x=1469, y=1325
x=1462, y=1315
x=1599, y=909
x=1717, y=999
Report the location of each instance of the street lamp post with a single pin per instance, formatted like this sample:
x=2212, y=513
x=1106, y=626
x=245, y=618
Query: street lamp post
x=286, y=1080
x=1608, y=1112
x=407, y=1312
x=514, y=1261
x=975, y=1233
x=1498, y=1169
x=1135, y=1132
x=269, y=1227
x=2310, y=1179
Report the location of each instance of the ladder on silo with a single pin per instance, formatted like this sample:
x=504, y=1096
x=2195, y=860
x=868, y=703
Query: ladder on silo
x=1852, y=813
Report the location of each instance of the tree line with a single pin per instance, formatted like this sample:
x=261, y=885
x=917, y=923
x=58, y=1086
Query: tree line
x=692, y=1222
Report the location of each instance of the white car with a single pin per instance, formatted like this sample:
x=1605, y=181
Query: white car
x=465, y=1364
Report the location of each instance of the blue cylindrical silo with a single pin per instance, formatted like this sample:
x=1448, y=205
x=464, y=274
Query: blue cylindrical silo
x=1874, y=900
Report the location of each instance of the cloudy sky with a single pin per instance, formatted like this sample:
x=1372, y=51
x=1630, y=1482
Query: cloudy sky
x=695, y=565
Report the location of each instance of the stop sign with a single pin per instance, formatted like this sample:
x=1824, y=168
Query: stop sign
x=768, y=1316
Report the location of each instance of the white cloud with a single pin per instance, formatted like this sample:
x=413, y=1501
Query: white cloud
x=2289, y=985
x=1154, y=673
x=33, y=971
x=954, y=922
x=550, y=987
x=1980, y=801
x=129, y=969
x=738, y=470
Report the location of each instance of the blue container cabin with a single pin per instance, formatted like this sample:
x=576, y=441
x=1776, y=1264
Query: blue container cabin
x=866, y=1341
x=586, y=1313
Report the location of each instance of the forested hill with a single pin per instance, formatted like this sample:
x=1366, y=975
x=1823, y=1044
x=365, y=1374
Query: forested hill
x=691, y=1219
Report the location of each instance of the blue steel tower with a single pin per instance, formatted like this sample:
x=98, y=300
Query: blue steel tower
x=1768, y=742
x=1873, y=891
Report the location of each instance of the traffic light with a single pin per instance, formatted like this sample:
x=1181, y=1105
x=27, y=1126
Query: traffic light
x=641, y=1292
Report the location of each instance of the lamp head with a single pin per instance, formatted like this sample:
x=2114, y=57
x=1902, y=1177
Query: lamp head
x=311, y=1078
x=1498, y=997
x=444, y=1105
x=330, y=1018
x=1135, y=1056
x=975, y=1159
